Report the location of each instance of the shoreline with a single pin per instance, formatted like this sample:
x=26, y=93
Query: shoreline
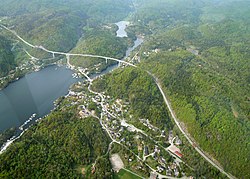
x=108, y=69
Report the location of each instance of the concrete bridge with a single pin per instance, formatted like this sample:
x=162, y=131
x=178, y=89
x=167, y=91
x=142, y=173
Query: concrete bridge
x=63, y=53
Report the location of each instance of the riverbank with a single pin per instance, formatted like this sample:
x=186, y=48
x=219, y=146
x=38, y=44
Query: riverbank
x=137, y=42
x=25, y=70
x=37, y=91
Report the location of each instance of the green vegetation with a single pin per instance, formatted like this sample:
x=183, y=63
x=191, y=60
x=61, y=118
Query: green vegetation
x=58, y=25
x=204, y=67
x=153, y=16
x=7, y=134
x=135, y=86
x=56, y=147
x=198, y=49
x=138, y=88
x=123, y=174
x=102, y=42
x=7, y=61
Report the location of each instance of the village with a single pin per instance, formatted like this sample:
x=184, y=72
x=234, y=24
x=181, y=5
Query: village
x=143, y=149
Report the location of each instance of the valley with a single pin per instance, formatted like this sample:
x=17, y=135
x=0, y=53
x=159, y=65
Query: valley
x=163, y=94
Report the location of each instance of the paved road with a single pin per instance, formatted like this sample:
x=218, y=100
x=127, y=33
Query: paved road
x=156, y=81
x=185, y=134
x=63, y=53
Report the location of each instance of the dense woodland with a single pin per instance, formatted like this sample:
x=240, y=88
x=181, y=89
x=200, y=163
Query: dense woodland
x=139, y=89
x=60, y=146
x=198, y=49
x=99, y=41
x=7, y=61
x=58, y=25
x=204, y=67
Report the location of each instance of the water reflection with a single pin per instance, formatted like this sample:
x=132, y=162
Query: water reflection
x=33, y=94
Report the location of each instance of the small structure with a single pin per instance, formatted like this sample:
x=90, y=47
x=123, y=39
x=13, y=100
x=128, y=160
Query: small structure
x=178, y=154
x=170, y=136
x=178, y=141
x=175, y=150
x=146, y=152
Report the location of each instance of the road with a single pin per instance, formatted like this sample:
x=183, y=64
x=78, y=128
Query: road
x=156, y=81
x=118, y=142
x=63, y=53
x=185, y=134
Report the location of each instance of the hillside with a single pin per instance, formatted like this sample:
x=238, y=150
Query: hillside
x=199, y=51
x=7, y=61
x=99, y=41
x=59, y=146
x=137, y=88
x=58, y=25
x=204, y=67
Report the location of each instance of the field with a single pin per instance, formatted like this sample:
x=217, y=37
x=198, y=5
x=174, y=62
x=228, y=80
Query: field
x=123, y=174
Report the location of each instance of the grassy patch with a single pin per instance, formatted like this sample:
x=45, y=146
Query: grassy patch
x=123, y=174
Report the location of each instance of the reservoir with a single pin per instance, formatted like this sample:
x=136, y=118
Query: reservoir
x=121, y=33
x=36, y=92
x=33, y=94
x=121, y=29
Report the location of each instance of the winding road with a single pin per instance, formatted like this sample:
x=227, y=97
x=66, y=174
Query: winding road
x=63, y=53
x=184, y=133
x=130, y=64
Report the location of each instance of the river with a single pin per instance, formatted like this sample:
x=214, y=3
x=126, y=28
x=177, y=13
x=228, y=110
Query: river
x=121, y=32
x=34, y=94
x=121, y=28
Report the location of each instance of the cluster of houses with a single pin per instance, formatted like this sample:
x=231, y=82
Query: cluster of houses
x=116, y=130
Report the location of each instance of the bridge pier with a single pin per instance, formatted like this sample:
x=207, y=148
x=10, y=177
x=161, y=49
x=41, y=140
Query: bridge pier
x=53, y=55
x=106, y=60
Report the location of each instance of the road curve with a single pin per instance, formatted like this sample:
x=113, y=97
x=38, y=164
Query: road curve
x=157, y=83
x=185, y=134
x=63, y=53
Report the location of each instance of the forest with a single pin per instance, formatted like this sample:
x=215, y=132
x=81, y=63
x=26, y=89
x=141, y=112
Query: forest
x=99, y=41
x=60, y=145
x=204, y=67
x=198, y=49
x=138, y=88
x=7, y=61
x=58, y=25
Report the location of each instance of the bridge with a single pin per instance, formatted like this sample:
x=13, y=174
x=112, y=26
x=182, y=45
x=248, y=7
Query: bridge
x=66, y=54
x=167, y=102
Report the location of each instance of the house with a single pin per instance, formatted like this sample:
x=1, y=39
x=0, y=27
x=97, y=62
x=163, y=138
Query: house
x=170, y=136
x=178, y=141
x=146, y=150
x=178, y=154
x=175, y=150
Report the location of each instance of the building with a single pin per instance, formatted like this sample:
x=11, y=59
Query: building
x=146, y=152
x=175, y=150
x=178, y=154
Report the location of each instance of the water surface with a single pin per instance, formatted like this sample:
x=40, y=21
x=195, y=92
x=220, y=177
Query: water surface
x=33, y=94
x=121, y=29
x=36, y=92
